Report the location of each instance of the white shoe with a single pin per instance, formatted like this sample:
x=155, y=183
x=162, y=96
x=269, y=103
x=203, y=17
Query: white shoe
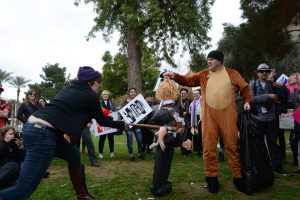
x=112, y=155
x=101, y=156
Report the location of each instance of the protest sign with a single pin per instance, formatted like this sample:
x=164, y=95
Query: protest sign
x=135, y=110
x=101, y=130
x=296, y=115
x=282, y=79
x=286, y=120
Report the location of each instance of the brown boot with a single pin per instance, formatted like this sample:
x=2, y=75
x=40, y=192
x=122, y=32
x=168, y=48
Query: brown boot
x=78, y=180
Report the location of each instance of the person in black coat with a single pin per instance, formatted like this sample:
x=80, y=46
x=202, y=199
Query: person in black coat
x=11, y=156
x=55, y=131
x=28, y=107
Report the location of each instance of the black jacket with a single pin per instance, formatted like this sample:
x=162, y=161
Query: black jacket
x=26, y=110
x=72, y=108
x=10, y=152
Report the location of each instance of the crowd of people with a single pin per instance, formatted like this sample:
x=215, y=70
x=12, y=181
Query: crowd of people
x=208, y=112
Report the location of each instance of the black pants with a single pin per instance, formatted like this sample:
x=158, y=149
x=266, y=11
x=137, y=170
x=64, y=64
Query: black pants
x=111, y=142
x=281, y=140
x=197, y=139
x=9, y=173
x=189, y=135
x=269, y=129
x=148, y=137
x=162, y=165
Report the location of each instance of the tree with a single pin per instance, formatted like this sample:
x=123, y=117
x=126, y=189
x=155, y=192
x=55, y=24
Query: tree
x=4, y=76
x=54, y=79
x=198, y=62
x=18, y=82
x=267, y=22
x=162, y=25
x=114, y=71
x=264, y=37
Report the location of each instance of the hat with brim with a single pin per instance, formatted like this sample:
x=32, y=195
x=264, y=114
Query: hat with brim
x=263, y=67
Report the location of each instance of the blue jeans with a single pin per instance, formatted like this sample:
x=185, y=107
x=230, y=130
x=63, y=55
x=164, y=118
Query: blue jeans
x=139, y=140
x=41, y=144
x=87, y=139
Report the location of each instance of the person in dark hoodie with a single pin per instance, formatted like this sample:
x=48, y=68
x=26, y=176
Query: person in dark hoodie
x=55, y=131
x=11, y=154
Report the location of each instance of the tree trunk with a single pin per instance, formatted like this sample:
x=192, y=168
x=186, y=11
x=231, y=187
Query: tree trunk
x=134, y=71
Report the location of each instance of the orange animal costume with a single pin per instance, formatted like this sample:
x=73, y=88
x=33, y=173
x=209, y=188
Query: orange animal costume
x=219, y=114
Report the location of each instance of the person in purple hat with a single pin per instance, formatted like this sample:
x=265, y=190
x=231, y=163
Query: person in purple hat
x=55, y=131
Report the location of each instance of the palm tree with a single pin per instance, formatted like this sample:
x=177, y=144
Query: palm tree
x=17, y=82
x=4, y=76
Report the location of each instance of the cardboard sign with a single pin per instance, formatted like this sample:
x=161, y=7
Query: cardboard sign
x=101, y=130
x=135, y=110
x=286, y=121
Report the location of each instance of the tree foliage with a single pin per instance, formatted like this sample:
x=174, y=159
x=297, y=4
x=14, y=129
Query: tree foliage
x=264, y=36
x=159, y=24
x=198, y=62
x=54, y=79
x=18, y=82
x=4, y=76
x=115, y=73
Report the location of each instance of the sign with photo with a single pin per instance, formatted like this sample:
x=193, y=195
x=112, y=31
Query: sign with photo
x=135, y=110
x=101, y=130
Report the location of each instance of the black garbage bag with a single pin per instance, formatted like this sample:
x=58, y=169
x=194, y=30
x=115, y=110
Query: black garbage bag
x=256, y=168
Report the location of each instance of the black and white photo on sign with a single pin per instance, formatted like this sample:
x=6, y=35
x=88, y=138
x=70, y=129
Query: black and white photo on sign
x=163, y=69
x=135, y=110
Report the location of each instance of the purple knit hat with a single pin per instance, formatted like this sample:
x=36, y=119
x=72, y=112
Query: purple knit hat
x=87, y=73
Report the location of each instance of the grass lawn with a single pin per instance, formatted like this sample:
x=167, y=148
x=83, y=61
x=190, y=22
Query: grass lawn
x=120, y=178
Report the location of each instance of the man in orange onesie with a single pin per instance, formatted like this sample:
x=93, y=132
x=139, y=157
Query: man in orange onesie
x=218, y=114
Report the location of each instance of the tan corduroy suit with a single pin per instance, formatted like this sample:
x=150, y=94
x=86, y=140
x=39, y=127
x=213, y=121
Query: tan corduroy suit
x=219, y=114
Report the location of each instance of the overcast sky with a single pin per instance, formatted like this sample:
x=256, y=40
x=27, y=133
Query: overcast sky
x=36, y=32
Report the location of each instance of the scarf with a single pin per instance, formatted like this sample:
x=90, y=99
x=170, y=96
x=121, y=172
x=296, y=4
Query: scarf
x=194, y=122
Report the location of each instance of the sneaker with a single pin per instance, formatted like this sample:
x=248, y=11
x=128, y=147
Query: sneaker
x=297, y=172
x=283, y=172
x=142, y=157
x=131, y=158
x=112, y=155
x=101, y=156
x=95, y=164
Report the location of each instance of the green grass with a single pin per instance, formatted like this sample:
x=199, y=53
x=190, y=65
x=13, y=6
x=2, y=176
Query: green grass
x=120, y=178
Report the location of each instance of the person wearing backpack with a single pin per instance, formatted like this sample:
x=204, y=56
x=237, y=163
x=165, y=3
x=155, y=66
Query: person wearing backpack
x=265, y=100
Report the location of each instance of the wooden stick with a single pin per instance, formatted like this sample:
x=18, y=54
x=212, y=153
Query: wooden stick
x=153, y=126
x=145, y=125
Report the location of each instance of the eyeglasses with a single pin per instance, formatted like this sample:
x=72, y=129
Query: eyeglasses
x=263, y=71
x=33, y=94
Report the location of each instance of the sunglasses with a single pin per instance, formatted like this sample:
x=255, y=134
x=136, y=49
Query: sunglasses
x=263, y=71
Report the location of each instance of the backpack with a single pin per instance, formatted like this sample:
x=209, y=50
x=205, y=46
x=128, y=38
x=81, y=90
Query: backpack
x=3, y=104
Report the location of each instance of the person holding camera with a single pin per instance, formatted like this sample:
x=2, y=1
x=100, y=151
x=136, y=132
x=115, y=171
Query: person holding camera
x=264, y=100
x=11, y=155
